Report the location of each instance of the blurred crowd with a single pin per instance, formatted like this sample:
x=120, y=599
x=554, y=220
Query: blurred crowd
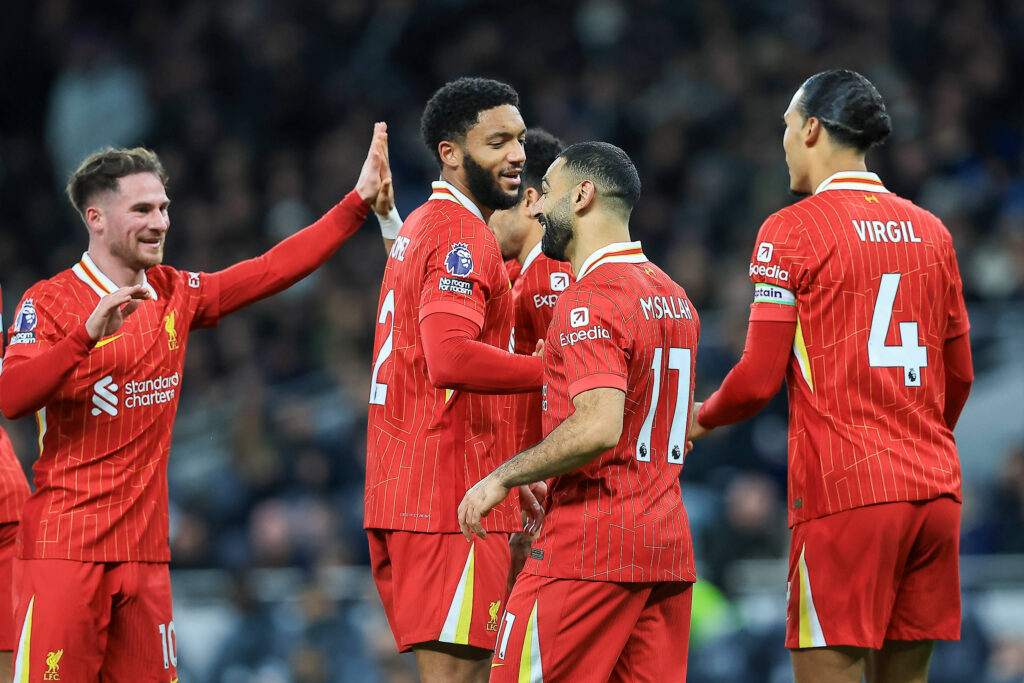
x=262, y=113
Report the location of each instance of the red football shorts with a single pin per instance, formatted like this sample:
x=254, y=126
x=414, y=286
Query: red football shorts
x=81, y=622
x=8, y=535
x=581, y=631
x=876, y=573
x=439, y=586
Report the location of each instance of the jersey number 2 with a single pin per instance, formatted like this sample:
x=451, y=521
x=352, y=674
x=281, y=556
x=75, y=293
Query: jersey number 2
x=378, y=391
x=678, y=360
x=909, y=355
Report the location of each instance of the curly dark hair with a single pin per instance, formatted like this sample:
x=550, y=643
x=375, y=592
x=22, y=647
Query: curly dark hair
x=542, y=148
x=100, y=172
x=455, y=108
x=849, y=107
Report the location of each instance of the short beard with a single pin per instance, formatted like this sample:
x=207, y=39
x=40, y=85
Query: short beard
x=132, y=260
x=485, y=189
x=557, y=232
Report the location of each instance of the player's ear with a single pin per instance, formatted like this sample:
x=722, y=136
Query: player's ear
x=530, y=197
x=451, y=155
x=812, y=131
x=94, y=218
x=583, y=195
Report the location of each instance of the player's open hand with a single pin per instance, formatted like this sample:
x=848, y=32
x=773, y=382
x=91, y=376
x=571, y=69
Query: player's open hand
x=478, y=503
x=111, y=311
x=531, y=502
x=696, y=430
x=376, y=168
x=385, y=200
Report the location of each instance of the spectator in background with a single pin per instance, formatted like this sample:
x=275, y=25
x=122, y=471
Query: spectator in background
x=751, y=528
x=98, y=100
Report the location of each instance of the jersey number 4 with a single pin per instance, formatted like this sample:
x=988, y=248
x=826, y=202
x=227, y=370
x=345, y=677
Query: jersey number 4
x=678, y=360
x=909, y=354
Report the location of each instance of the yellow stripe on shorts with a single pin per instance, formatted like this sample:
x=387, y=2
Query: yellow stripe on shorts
x=460, y=612
x=21, y=663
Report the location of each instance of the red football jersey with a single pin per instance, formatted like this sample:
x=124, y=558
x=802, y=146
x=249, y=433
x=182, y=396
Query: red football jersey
x=13, y=485
x=873, y=283
x=624, y=325
x=105, y=432
x=536, y=289
x=426, y=446
x=513, y=269
x=101, y=476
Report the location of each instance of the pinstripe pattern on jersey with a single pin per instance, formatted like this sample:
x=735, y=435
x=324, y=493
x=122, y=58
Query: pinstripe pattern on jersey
x=618, y=519
x=14, y=488
x=861, y=436
x=13, y=485
x=426, y=447
x=102, y=476
x=533, y=315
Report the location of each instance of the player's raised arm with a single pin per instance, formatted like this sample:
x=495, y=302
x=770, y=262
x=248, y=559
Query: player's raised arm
x=384, y=205
x=299, y=255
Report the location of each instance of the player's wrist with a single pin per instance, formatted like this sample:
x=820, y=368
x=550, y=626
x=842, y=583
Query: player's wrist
x=390, y=223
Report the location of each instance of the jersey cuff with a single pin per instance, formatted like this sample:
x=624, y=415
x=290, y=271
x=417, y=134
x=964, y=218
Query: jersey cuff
x=602, y=380
x=461, y=310
x=764, y=312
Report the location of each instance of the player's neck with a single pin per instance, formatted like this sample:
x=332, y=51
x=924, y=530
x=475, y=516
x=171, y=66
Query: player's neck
x=531, y=241
x=460, y=185
x=111, y=266
x=595, y=233
x=837, y=161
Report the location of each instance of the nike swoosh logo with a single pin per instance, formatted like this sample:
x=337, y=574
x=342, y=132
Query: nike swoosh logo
x=104, y=342
x=496, y=664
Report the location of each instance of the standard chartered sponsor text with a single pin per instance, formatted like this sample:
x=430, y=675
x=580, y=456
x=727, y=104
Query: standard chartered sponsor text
x=150, y=392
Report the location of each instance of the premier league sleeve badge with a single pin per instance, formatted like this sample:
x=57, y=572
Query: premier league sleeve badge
x=25, y=324
x=459, y=261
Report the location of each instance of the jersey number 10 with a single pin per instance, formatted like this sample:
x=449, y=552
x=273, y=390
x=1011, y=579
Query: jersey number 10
x=678, y=360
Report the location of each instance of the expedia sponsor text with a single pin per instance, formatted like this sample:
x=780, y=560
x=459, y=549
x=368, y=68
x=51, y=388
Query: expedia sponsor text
x=590, y=334
x=769, y=271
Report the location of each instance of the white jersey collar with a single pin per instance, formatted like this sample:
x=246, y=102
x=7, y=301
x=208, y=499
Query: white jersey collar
x=617, y=252
x=531, y=257
x=447, y=191
x=89, y=273
x=852, y=180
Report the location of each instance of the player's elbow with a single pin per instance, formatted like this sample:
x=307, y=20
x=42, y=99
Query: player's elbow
x=9, y=408
x=441, y=376
x=605, y=434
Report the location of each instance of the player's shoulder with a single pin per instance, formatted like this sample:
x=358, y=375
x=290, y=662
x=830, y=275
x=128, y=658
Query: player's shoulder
x=164, y=278
x=594, y=289
x=54, y=289
x=796, y=215
x=927, y=219
x=546, y=275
